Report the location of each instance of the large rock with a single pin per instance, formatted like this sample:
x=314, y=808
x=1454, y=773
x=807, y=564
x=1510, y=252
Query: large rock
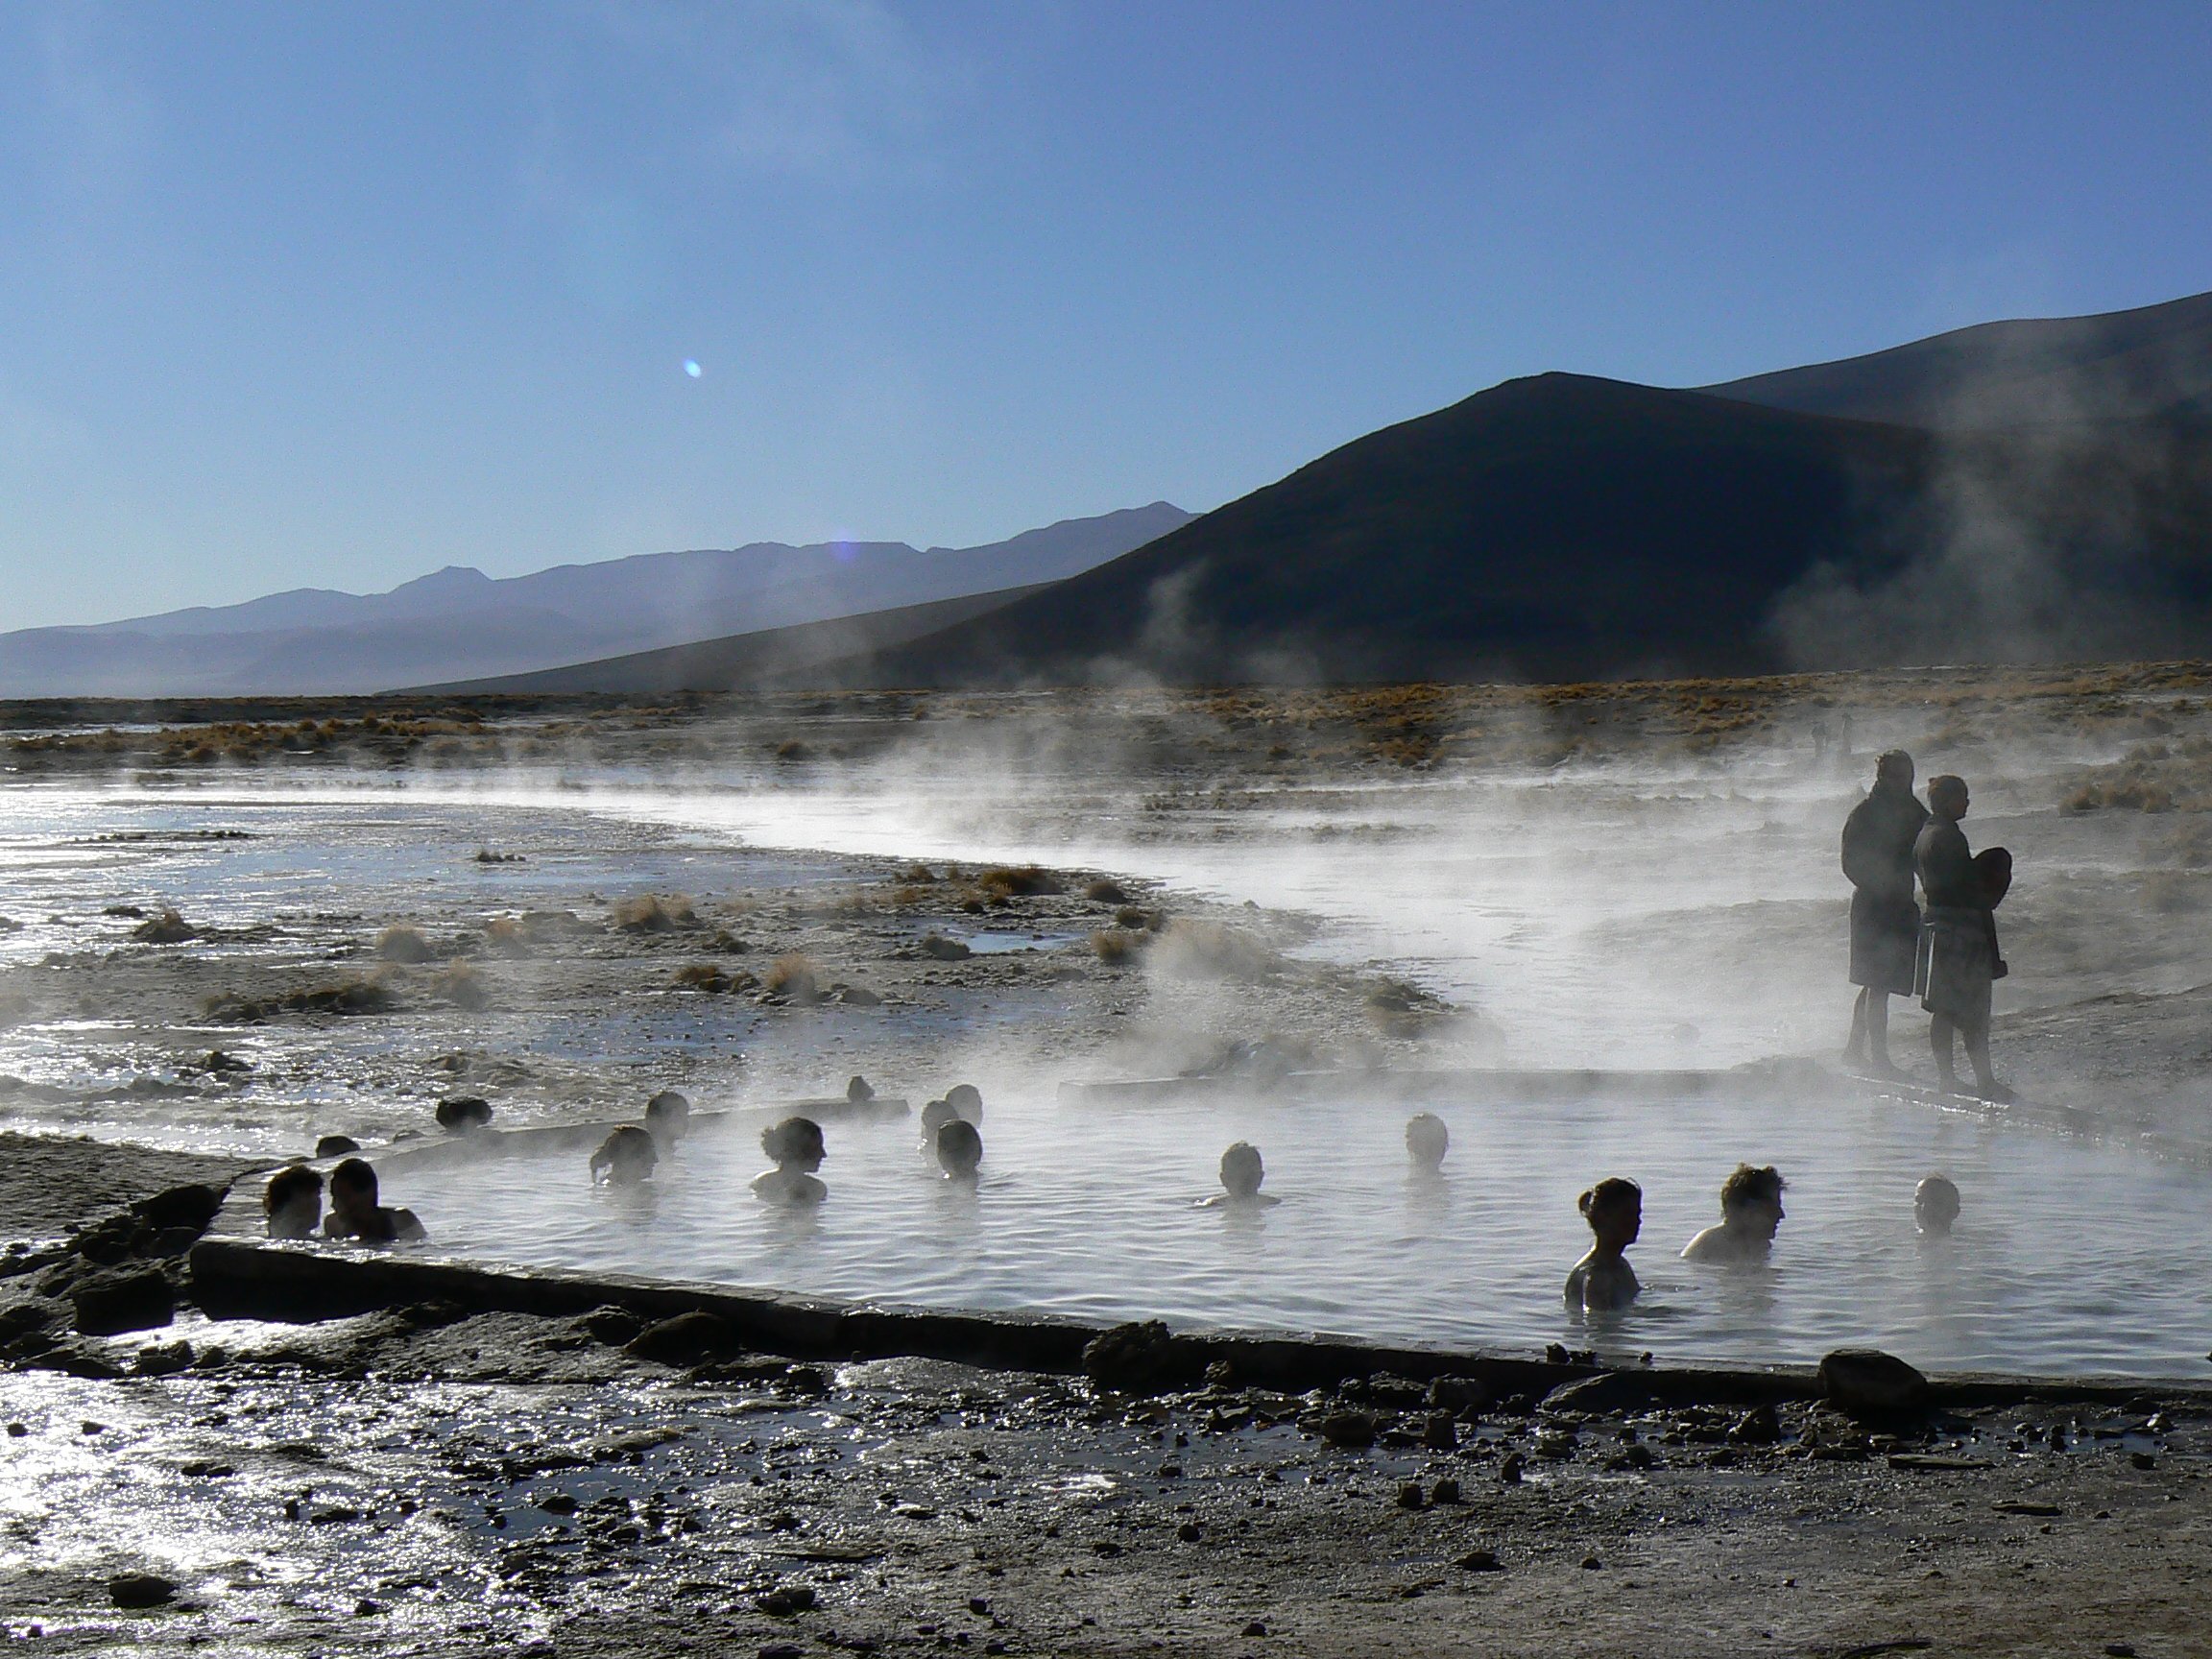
x=687, y=1339
x=126, y=1299
x=1133, y=1358
x=1607, y=1392
x=137, y=1591
x=193, y=1205
x=1865, y=1382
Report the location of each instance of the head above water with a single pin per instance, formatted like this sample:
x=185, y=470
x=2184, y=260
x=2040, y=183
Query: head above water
x=796, y=1140
x=1614, y=1208
x=966, y=1102
x=668, y=1115
x=354, y=1186
x=626, y=1157
x=1894, y=770
x=1948, y=797
x=1427, y=1140
x=293, y=1202
x=1935, y=1204
x=1752, y=1198
x=934, y=1117
x=1241, y=1171
x=959, y=1148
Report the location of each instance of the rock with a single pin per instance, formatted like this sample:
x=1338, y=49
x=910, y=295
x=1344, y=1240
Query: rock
x=939, y=948
x=1607, y=1392
x=1868, y=1383
x=1412, y=1496
x=463, y=1114
x=1133, y=1358
x=782, y=1651
x=1509, y=1471
x=137, y=1591
x=1757, y=1427
x=1257, y=1627
x=336, y=1146
x=687, y=1339
x=165, y=1360
x=860, y=997
x=1441, y=1431
x=1480, y=1561
x=785, y=1601
x=1446, y=1492
x=1349, y=1430
x=192, y=1205
x=1189, y=1532
x=125, y=1299
x=166, y=929
x=611, y=1325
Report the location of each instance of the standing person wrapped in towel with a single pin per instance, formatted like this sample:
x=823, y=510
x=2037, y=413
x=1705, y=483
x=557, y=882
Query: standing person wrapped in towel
x=1959, y=962
x=1878, y=841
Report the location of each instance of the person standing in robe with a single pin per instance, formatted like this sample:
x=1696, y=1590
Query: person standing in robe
x=1878, y=848
x=1958, y=965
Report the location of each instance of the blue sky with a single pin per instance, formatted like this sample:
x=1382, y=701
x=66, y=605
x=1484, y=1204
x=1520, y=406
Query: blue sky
x=317, y=295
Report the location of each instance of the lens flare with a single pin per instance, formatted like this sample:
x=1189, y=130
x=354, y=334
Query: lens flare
x=691, y=366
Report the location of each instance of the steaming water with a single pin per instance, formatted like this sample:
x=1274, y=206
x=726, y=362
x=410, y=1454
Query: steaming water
x=2067, y=1258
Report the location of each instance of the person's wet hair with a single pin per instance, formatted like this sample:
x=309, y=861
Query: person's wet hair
x=934, y=1117
x=1427, y=1139
x=356, y=1177
x=1609, y=1195
x=626, y=1157
x=966, y=1102
x=1935, y=1204
x=1751, y=1186
x=1242, y=1169
x=959, y=1148
x=669, y=1114
x=293, y=1202
x=793, y=1140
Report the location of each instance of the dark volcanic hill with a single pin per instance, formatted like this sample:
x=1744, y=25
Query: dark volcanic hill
x=2117, y=366
x=1569, y=527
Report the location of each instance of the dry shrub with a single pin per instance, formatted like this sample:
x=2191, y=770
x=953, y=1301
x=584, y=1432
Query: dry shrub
x=917, y=875
x=1130, y=916
x=506, y=936
x=654, y=913
x=1188, y=949
x=1028, y=881
x=908, y=898
x=939, y=948
x=460, y=986
x=1117, y=947
x=792, y=975
x=2191, y=847
x=2170, y=892
x=404, y=944
x=372, y=995
x=701, y=976
x=2122, y=794
x=166, y=929
x=1106, y=891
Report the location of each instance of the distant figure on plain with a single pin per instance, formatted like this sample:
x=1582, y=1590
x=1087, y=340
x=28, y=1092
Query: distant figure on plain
x=292, y=1203
x=1602, y=1280
x=796, y=1147
x=959, y=1150
x=1241, y=1173
x=355, y=1213
x=1427, y=1141
x=1878, y=841
x=625, y=1158
x=1750, y=1212
x=1935, y=1205
x=1958, y=960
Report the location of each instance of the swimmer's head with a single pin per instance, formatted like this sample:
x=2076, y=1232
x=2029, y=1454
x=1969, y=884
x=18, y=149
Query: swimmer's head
x=1241, y=1171
x=1427, y=1140
x=1947, y=796
x=1751, y=1199
x=626, y=1157
x=352, y=1187
x=858, y=1092
x=794, y=1142
x=1935, y=1204
x=669, y=1116
x=966, y=1102
x=292, y=1203
x=1894, y=767
x=1614, y=1208
x=959, y=1148
x=934, y=1117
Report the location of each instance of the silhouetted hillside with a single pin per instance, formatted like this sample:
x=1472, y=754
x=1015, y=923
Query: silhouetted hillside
x=1563, y=526
x=2118, y=366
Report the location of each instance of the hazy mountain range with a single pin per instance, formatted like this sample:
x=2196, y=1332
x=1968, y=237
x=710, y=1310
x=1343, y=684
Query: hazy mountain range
x=459, y=623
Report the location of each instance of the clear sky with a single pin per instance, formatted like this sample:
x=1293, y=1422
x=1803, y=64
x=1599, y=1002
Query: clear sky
x=309, y=293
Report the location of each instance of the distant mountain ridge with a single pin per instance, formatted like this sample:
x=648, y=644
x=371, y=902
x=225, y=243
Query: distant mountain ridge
x=460, y=624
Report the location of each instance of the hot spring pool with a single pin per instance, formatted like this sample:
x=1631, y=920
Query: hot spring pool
x=2069, y=1257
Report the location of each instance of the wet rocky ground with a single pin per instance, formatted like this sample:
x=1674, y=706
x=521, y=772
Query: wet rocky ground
x=422, y=1481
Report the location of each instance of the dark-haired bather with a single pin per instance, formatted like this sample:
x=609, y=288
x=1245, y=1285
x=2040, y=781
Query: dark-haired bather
x=1602, y=1280
x=797, y=1147
x=355, y=1212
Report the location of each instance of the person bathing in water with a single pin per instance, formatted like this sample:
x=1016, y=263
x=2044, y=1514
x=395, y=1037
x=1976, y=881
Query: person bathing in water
x=796, y=1147
x=1602, y=1280
x=625, y=1158
x=1427, y=1141
x=1958, y=960
x=1241, y=1173
x=292, y=1203
x=355, y=1213
x=1750, y=1212
x=1934, y=1206
x=1878, y=841
x=959, y=1150
x=667, y=1118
